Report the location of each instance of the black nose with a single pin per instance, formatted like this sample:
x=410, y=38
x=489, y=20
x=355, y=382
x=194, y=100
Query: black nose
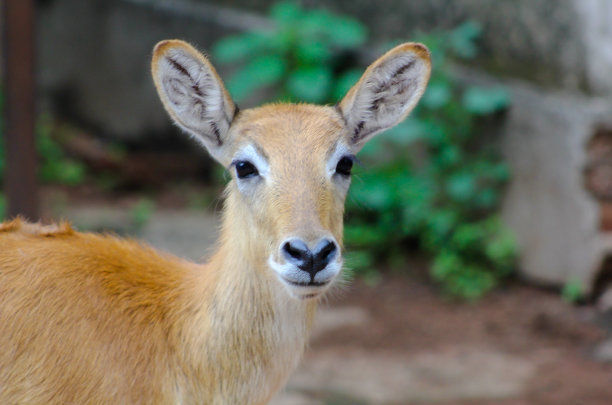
x=312, y=262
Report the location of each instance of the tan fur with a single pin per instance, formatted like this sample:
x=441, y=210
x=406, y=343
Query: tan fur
x=97, y=319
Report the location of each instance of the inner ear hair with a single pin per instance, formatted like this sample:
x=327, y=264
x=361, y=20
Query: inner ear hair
x=388, y=90
x=192, y=93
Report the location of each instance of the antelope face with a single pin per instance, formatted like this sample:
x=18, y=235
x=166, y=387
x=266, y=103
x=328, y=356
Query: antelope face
x=290, y=164
x=291, y=170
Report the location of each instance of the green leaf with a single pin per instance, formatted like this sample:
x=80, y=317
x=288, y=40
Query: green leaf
x=487, y=198
x=501, y=249
x=573, y=291
x=344, y=82
x=347, y=33
x=417, y=198
x=372, y=149
x=468, y=237
x=141, y=212
x=465, y=279
x=449, y=155
x=315, y=25
x=2, y=164
x=482, y=101
x=406, y=132
x=445, y=264
x=2, y=206
x=438, y=94
x=461, y=186
x=437, y=132
x=312, y=53
x=468, y=31
x=359, y=259
x=363, y=235
x=69, y=173
x=263, y=71
x=439, y=225
x=286, y=12
x=377, y=194
x=310, y=84
x=462, y=39
x=500, y=172
x=236, y=48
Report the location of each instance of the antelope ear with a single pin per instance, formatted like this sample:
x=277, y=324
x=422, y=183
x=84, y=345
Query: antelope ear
x=388, y=90
x=193, y=94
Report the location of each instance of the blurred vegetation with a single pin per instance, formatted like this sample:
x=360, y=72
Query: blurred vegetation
x=307, y=57
x=142, y=212
x=2, y=157
x=433, y=179
x=440, y=182
x=54, y=165
x=572, y=292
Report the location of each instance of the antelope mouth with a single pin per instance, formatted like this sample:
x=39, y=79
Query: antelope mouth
x=302, y=285
x=305, y=291
x=308, y=284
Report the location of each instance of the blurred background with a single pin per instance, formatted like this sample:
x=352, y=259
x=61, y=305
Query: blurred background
x=477, y=231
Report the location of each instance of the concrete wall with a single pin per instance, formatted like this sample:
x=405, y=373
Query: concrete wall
x=556, y=218
x=94, y=56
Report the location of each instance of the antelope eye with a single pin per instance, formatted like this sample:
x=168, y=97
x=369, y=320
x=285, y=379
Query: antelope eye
x=245, y=169
x=344, y=166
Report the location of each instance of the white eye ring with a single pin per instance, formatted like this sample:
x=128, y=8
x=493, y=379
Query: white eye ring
x=253, y=156
x=342, y=151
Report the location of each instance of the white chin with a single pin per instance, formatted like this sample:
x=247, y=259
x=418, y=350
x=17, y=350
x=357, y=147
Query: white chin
x=304, y=292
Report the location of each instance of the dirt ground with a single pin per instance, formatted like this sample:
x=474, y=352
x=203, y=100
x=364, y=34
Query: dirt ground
x=410, y=317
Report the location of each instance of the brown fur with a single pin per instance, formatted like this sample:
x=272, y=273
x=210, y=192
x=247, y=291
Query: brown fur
x=98, y=319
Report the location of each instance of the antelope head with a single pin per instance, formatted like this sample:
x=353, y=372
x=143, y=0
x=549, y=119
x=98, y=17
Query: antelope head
x=290, y=163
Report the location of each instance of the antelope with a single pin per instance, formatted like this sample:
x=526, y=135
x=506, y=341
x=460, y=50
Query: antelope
x=98, y=319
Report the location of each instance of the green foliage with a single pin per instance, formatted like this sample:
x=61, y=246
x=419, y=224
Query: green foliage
x=142, y=211
x=2, y=164
x=301, y=59
x=440, y=182
x=476, y=257
x=54, y=165
x=2, y=206
x=432, y=178
x=572, y=291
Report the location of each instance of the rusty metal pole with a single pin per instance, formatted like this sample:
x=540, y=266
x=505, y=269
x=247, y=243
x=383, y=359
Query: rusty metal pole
x=19, y=110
